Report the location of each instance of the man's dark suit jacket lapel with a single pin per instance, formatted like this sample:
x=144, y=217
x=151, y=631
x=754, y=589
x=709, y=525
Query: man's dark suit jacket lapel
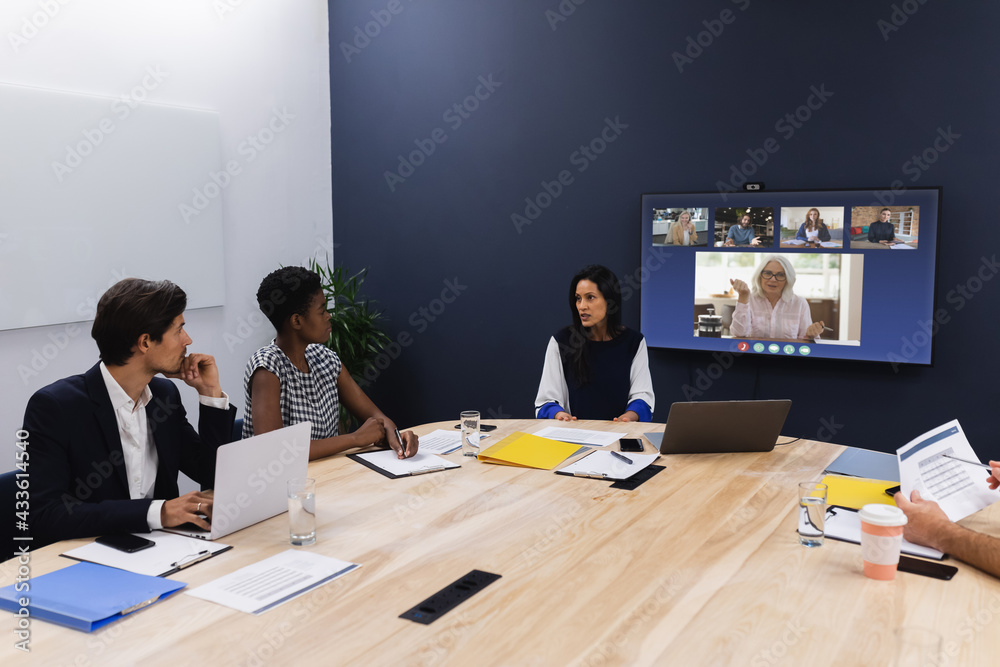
x=105, y=414
x=164, y=429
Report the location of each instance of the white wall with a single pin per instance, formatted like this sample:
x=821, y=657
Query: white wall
x=246, y=59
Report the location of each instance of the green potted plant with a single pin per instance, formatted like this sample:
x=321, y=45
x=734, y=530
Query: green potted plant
x=355, y=336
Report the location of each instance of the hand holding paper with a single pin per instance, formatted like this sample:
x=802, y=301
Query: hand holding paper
x=956, y=486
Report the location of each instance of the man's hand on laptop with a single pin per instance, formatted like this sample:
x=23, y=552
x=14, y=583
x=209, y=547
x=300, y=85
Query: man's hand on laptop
x=188, y=509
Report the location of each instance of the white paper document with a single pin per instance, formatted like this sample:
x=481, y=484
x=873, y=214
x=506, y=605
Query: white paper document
x=959, y=488
x=273, y=581
x=605, y=465
x=845, y=525
x=441, y=441
x=579, y=436
x=421, y=462
x=170, y=554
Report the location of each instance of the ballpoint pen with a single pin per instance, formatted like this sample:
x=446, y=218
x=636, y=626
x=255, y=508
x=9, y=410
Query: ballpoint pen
x=191, y=559
x=623, y=458
x=974, y=463
x=424, y=471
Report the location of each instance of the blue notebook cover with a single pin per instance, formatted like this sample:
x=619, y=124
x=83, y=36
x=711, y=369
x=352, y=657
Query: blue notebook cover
x=87, y=596
x=865, y=463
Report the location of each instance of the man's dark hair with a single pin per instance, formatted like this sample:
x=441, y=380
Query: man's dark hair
x=286, y=292
x=130, y=308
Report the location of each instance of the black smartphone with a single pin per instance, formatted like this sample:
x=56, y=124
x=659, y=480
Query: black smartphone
x=631, y=445
x=127, y=542
x=926, y=568
x=892, y=490
x=484, y=428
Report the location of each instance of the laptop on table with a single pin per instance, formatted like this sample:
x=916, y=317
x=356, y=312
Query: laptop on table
x=251, y=480
x=713, y=427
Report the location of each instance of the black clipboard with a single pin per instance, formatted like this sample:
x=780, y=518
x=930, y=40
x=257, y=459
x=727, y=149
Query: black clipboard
x=629, y=483
x=386, y=473
x=174, y=568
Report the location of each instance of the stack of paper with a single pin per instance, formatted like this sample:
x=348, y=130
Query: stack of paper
x=273, y=581
x=580, y=436
x=440, y=441
x=528, y=451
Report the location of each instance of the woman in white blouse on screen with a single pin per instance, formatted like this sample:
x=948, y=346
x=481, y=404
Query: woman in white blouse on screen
x=768, y=307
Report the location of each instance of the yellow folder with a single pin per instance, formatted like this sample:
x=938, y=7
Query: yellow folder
x=856, y=492
x=528, y=451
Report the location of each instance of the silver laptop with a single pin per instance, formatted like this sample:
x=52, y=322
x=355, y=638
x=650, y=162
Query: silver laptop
x=705, y=427
x=251, y=480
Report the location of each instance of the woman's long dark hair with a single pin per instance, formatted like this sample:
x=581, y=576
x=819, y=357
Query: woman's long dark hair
x=575, y=352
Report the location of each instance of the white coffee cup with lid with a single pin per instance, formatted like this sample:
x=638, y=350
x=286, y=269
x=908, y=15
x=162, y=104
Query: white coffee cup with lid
x=881, y=539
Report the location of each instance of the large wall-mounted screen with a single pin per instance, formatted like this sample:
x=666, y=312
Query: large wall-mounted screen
x=843, y=274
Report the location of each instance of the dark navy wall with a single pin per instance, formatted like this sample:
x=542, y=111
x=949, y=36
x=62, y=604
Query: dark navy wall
x=472, y=295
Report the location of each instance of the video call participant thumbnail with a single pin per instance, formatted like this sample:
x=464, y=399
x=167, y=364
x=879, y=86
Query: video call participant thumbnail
x=742, y=234
x=682, y=232
x=882, y=231
x=813, y=230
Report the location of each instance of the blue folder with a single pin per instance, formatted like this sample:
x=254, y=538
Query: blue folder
x=87, y=596
x=865, y=463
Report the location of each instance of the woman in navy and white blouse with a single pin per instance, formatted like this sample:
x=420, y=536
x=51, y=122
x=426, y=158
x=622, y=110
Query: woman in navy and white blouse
x=596, y=368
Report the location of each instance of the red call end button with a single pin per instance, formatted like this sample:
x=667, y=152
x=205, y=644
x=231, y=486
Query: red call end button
x=743, y=346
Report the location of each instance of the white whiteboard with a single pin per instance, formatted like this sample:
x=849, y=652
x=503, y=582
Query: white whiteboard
x=72, y=226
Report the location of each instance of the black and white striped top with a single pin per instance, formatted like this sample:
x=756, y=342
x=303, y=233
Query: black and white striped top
x=311, y=396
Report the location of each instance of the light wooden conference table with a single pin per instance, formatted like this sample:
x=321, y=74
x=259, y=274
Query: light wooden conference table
x=698, y=566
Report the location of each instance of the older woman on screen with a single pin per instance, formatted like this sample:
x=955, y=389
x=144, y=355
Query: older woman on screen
x=683, y=231
x=768, y=308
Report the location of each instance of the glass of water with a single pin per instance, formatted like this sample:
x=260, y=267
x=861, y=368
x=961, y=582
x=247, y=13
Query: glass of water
x=812, y=513
x=302, y=511
x=470, y=432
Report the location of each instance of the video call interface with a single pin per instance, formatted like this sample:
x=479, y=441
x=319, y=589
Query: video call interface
x=844, y=274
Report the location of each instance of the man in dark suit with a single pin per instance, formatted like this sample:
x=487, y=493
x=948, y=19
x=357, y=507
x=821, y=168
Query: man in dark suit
x=106, y=446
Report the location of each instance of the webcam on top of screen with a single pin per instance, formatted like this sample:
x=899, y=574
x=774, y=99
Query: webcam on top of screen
x=753, y=187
